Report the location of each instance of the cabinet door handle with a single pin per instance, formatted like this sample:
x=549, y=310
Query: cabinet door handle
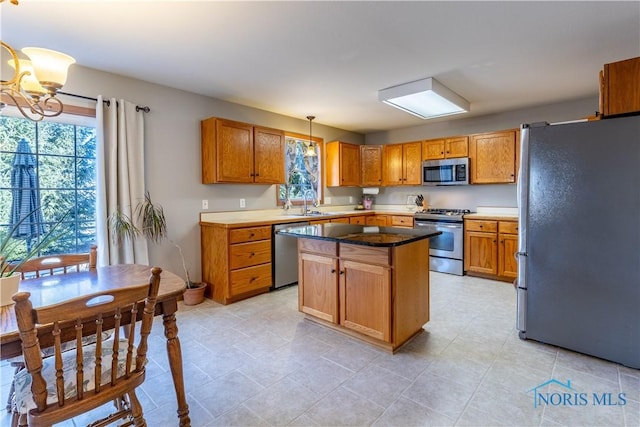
x=341, y=272
x=494, y=240
x=257, y=174
x=252, y=279
x=251, y=235
x=333, y=270
x=252, y=255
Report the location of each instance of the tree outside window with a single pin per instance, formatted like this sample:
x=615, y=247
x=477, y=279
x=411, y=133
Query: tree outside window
x=66, y=177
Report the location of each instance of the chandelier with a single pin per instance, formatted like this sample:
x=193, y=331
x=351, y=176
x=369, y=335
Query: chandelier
x=35, y=81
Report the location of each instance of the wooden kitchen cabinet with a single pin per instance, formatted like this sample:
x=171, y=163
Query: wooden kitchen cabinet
x=402, y=164
x=379, y=294
x=343, y=164
x=235, y=152
x=371, y=165
x=379, y=220
x=445, y=148
x=620, y=87
x=365, y=298
x=319, y=296
x=494, y=157
x=490, y=247
x=401, y=221
x=360, y=220
x=507, y=248
x=236, y=262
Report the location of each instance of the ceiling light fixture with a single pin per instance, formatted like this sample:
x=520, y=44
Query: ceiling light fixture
x=36, y=81
x=426, y=98
x=311, y=150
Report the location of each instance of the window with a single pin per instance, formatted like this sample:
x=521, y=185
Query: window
x=64, y=150
x=302, y=171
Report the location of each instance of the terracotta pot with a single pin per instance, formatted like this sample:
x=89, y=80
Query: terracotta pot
x=194, y=296
x=8, y=287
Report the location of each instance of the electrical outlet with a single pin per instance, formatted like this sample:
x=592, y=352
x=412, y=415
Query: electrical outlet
x=243, y=203
x=205, y=204
x=350, y=199
x=327, y=200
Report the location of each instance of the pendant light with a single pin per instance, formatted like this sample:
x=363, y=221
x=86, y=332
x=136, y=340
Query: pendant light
x=311, y=151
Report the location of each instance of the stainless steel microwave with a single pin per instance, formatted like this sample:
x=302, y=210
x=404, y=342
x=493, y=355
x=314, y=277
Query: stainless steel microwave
x=445, y=172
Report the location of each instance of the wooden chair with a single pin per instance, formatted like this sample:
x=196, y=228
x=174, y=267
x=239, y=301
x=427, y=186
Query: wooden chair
x=57, y=264
x=67, y=384
x=53, y=264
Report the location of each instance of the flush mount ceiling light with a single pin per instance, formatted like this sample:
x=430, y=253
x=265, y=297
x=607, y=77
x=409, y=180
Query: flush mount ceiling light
x=426, y=98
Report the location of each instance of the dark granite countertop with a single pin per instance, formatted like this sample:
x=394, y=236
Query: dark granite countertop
x=359, y=234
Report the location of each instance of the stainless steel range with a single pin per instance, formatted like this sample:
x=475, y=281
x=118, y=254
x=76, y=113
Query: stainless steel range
x=446, y=250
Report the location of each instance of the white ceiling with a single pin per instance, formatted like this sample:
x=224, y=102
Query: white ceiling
x=329, y=59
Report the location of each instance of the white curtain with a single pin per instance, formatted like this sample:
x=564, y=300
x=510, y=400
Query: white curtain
x=120, y=181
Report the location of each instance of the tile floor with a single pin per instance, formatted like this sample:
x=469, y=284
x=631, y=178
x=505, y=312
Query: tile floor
x=259, y=363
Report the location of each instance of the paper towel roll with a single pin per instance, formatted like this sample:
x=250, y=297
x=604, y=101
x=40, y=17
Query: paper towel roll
x=370, y=190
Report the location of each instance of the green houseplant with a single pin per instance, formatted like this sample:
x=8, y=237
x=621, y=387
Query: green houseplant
x=149, y=222
x=11, y=259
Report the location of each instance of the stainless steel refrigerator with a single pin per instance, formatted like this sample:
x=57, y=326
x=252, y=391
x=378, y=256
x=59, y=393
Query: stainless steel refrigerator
x=579, y=241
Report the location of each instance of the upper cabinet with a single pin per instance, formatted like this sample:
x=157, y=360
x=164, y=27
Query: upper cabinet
x=494, y=157
x=371, y=165
x=343, y=164
x=445, y=148
x=620, y=87
x=235, y=152
x=402, y=164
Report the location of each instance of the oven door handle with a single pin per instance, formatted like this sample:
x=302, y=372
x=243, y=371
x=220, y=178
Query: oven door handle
x=448, y=226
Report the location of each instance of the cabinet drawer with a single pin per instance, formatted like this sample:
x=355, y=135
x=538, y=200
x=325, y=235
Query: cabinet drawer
x=508, y=227
x=357, y=220
x=250, y=278
x=344, y=219
x=401, y=221
x=249, y=234
x=247, y=254
x=478, y=225
x=365, y=254
x=321, y=247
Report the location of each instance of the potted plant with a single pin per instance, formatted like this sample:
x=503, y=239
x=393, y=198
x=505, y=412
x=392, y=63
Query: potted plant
x=149, y=222
x=11, y=260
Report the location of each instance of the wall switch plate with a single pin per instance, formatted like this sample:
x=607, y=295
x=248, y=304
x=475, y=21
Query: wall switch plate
x=350, y=199
x=205, y=204
x=243, y=203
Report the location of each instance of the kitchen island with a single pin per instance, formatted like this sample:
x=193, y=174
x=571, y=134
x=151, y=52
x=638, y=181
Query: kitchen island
x=368, y=282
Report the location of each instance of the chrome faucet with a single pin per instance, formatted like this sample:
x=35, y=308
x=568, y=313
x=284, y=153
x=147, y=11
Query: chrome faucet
x=305, y=209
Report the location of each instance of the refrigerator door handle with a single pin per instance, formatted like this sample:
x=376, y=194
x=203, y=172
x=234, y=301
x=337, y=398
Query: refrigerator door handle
x=521, y=320
x=519, y=254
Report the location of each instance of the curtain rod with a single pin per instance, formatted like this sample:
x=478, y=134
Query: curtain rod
x=145, y=109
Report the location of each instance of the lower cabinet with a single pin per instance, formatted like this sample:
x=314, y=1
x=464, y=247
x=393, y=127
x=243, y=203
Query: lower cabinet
x=379, y=294
x=236, y=262
x=365, y=299
x=319, y=297
x=490, y=247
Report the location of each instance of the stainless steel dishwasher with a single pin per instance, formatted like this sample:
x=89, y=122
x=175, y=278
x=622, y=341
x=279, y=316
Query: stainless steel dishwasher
x=285, y=256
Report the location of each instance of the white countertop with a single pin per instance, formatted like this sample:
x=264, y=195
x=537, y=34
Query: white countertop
x=294, y=214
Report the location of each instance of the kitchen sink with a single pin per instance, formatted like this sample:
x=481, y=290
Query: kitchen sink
x=317, y=213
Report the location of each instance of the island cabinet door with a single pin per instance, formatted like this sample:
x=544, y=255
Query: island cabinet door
x=318, y=286
x=365, y=299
